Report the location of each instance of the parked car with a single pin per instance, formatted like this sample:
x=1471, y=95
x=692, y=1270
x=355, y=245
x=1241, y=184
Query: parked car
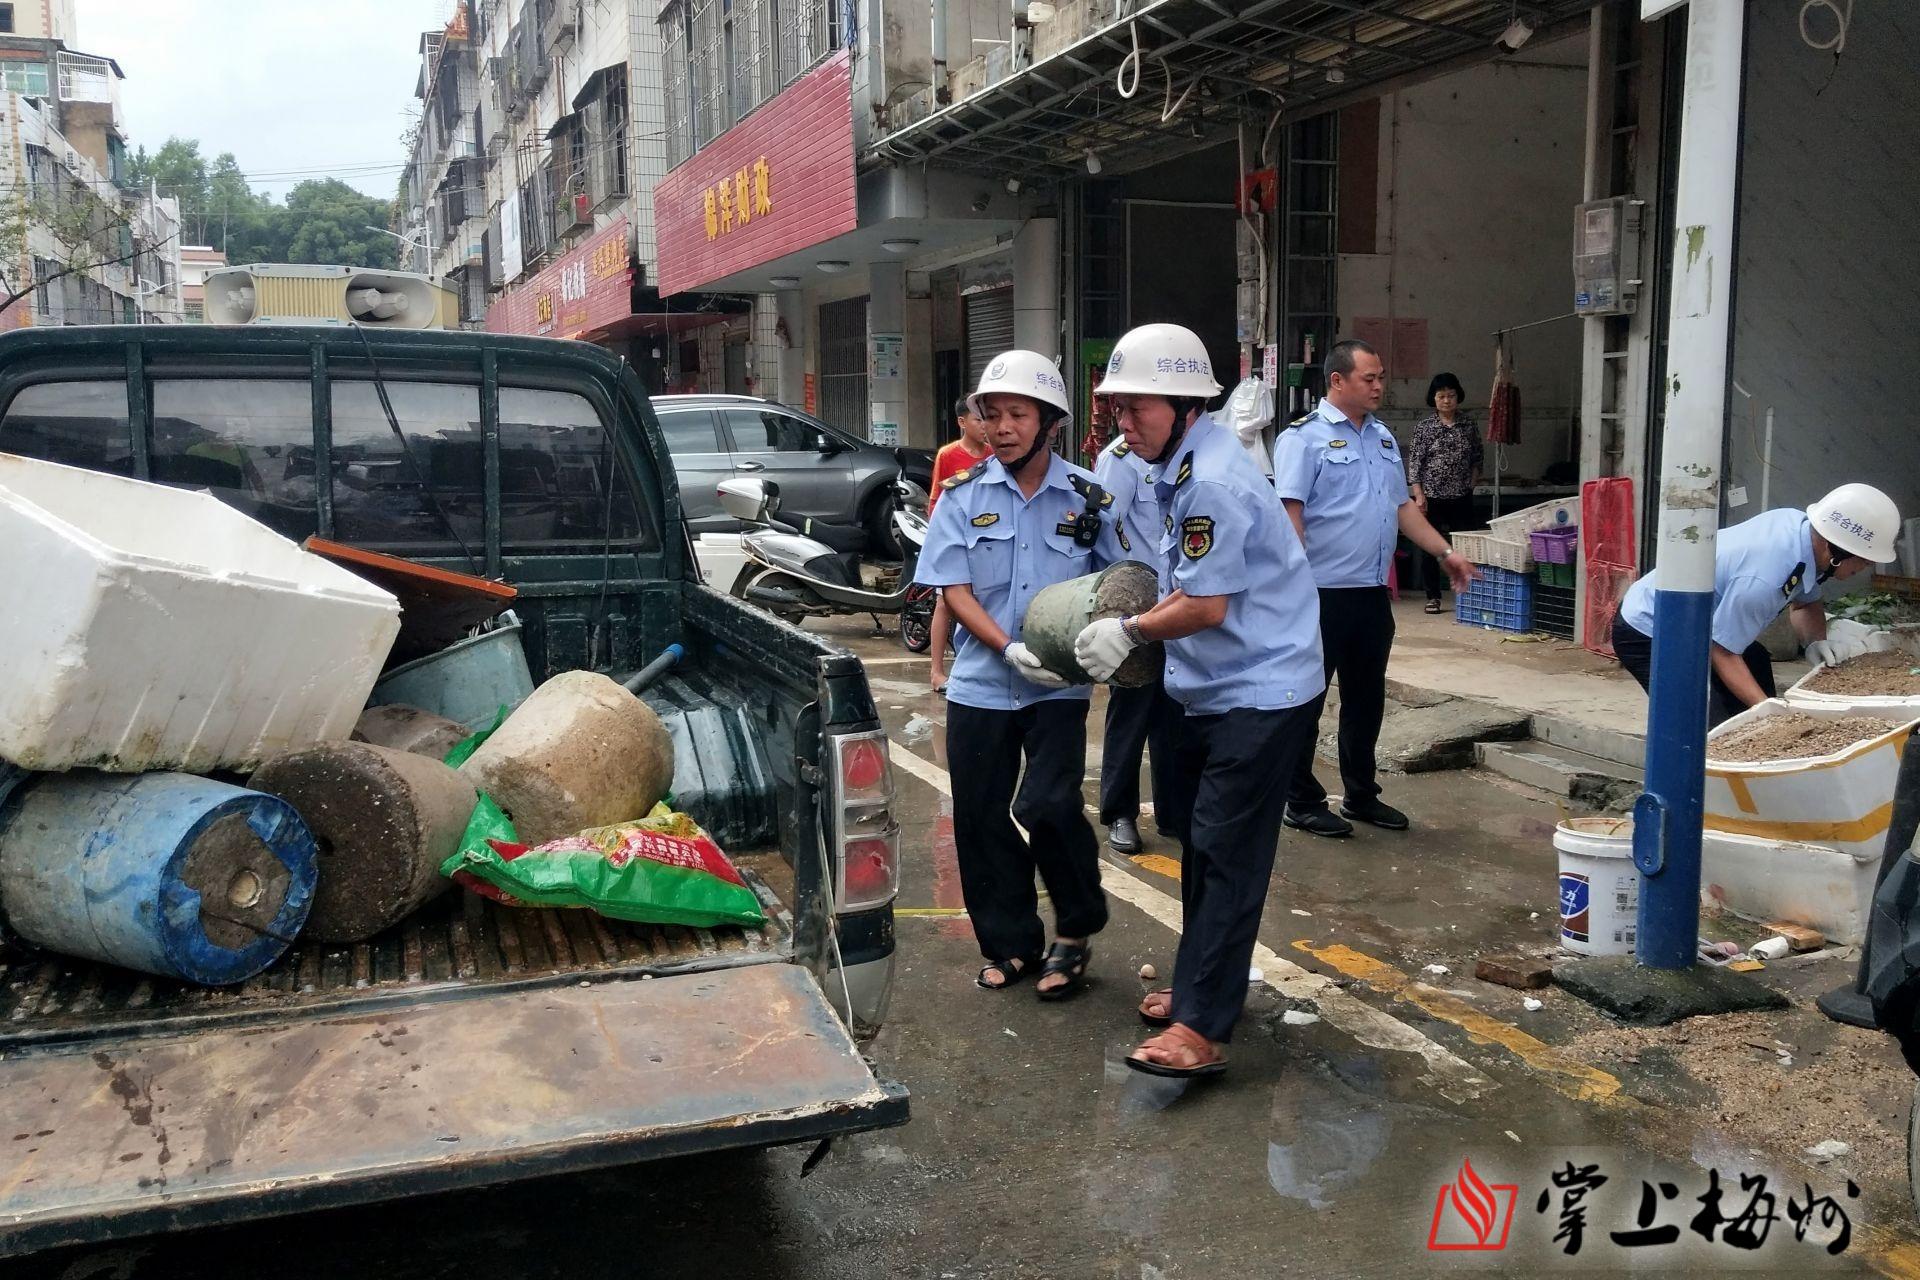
x=474, y=1043
x=823, y=472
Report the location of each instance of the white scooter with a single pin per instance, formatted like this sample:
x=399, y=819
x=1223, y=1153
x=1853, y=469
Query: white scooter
x=812, y=569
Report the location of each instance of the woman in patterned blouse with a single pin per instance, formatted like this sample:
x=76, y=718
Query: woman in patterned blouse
x=1443, y=466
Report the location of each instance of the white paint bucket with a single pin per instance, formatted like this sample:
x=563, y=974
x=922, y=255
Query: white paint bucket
x=1599, y=885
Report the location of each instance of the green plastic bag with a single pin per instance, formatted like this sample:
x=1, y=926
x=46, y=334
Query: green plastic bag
x=662, y=869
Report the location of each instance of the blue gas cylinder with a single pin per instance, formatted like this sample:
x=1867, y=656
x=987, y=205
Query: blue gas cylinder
x=168, y=873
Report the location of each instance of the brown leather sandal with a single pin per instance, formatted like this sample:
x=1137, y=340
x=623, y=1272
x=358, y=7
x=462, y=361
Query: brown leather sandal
x=1156, y=1008
x=1194, y=1055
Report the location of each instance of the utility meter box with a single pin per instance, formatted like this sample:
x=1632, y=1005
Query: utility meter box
x=1606, y=256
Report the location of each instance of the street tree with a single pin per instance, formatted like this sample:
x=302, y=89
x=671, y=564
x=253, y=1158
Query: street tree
x=81, y=232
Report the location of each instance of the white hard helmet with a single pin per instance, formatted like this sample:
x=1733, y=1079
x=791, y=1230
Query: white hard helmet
x=1859, y=520
x=1022, y=373
x=1160, y=360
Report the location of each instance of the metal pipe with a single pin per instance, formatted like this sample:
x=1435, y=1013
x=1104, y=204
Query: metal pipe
x=940, y=84
x=1666, y=833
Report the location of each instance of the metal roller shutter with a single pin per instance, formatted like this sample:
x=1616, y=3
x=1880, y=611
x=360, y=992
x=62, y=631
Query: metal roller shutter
x=989, y=330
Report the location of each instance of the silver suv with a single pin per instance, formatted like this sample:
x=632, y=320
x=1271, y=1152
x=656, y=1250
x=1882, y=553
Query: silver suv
x=822, y=471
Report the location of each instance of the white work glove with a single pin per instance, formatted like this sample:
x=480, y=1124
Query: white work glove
x=1834, y=652
x=1023, y=660
x=1102, y=646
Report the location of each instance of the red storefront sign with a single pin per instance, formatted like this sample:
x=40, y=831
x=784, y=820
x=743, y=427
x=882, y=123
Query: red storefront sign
x=589, y=287
x=777, y=182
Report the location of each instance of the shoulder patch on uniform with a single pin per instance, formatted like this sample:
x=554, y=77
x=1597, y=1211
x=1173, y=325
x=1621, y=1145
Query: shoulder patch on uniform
x=985, y=519
x=1386, y=444
x=1185, y=473
x=1792, y=584
x=1301, y=421
x=1196, y=536
x=1119, y=448
x=1335, y=443
x=955, y=481
x=1092, y=490
x=1120, y=531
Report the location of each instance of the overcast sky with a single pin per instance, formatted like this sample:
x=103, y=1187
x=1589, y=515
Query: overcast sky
x=284, y=85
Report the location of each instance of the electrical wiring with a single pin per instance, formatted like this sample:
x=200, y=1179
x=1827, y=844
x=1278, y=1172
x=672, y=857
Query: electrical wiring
x=1169, y=107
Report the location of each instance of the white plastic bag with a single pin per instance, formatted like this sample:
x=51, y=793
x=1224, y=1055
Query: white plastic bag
x=1247, y=413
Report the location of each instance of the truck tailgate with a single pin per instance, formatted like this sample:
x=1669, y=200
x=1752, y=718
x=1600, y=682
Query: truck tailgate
x=122, y=1138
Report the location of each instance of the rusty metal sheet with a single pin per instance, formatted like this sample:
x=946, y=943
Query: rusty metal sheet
x=116, y=1139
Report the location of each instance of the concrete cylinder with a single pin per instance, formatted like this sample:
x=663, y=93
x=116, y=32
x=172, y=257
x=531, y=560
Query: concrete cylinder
x=1059, y=613
x=383, y=821
x=407, y=728
x=581, y=752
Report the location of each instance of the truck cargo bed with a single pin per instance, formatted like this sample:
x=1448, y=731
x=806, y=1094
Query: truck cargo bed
x=460, y=943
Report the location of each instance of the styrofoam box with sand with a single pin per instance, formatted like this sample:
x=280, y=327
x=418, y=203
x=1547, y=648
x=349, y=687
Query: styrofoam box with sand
x=153, y=628
x=1798, y=801
x=1887, y=682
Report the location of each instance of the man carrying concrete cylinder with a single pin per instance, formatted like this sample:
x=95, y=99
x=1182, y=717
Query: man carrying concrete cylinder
x=1760, y=566
x=1241, y=625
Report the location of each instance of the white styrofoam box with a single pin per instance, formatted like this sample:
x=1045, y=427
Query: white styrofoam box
x=1553, y=514
x=1808, y=884
x=153, y=628
x=1843, y=801
x=720, y=559
x=1863, y=704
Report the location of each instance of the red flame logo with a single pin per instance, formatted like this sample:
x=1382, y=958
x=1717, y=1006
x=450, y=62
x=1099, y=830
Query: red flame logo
x=1473, y=1201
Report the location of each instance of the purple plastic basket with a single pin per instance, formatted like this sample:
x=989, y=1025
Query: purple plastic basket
x=1555, y=546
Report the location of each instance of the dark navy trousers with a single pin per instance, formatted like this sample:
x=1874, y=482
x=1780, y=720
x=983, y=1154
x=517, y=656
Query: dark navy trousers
x=1143, y=719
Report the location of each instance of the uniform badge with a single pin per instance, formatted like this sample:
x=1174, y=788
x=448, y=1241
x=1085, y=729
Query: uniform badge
x=1196, y=536
x=986, y=519
x=1185, y=473
x=952, y=482
x=1336, y=443
x=1387, y=445
x=1792, y=584
x=1169, y=524
x=1068, y=526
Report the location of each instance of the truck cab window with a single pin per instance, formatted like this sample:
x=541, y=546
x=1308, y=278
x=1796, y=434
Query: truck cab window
x=556, y=466
x=81, y=424
x=384, y=498
x=248, y=442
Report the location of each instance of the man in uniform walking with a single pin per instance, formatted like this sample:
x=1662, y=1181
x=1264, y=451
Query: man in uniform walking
x=1240, y=619
x=1020, y=521
x=1339, y=472
x=1140, y=719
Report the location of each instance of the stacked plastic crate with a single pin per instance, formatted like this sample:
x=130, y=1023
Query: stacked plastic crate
x=1504, y=597
x=1555, y=553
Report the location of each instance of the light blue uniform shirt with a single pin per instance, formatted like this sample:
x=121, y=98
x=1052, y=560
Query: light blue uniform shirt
x=1006, y=547
x=1224, y=533
x=1136, y=507
x=1351, y=484
x=1760, y=566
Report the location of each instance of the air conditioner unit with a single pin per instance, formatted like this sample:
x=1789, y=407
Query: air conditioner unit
x=563, y=23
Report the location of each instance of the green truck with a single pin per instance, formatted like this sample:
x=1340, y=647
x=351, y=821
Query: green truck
x=474, y=1043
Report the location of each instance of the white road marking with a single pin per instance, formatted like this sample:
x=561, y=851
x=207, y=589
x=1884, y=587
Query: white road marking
x=1448, y=1074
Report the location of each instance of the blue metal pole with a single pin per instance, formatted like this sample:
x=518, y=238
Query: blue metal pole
x=1666, y=833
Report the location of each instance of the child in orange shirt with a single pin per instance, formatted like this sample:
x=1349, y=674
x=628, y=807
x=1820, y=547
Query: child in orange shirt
x=968, y=451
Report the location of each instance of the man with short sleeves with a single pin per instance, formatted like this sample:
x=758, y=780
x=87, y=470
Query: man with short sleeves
x=1240, y=624
x=1140, y=719
x=1777, y=560
x=1340, y=474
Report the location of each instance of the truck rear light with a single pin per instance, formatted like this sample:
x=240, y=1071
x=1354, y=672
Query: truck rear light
x=866, y=771
x=870, y=871
x=866, y=837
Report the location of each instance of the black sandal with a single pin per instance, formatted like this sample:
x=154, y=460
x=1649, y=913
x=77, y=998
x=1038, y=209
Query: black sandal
x=1028, y=964
x=1070, y=960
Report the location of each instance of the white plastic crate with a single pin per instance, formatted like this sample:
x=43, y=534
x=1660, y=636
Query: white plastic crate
x=153, y=628
x=1486, y=549
x=1515, y=526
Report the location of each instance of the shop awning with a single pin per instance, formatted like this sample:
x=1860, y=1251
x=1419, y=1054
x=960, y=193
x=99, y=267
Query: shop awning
x=1231, y=59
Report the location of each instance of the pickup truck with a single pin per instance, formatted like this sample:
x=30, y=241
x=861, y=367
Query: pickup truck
x=474, y=1043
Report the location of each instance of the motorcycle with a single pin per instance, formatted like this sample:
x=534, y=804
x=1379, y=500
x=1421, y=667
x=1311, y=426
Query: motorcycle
x=813, y=569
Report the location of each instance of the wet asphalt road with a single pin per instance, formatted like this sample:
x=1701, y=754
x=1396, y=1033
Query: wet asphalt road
x=1034, y=1153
